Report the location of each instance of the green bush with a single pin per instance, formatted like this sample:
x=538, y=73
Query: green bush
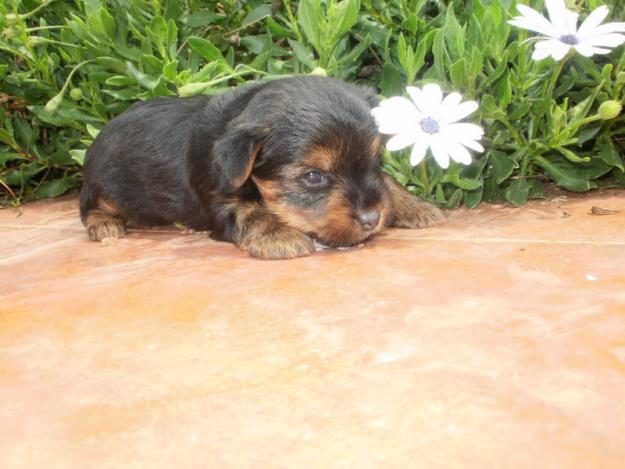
x=67, y=67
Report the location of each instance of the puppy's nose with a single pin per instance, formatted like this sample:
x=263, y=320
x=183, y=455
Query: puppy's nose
x=368, y=219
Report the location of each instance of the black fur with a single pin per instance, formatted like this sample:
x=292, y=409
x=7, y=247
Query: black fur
x=187, y=160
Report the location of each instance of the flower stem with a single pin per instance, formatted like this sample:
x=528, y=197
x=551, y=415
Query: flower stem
x=423, y=175
x=551, y=84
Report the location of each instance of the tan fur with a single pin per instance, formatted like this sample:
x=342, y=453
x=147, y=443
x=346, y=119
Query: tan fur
x=104, y=221
x=408, y=210
x=265, y=236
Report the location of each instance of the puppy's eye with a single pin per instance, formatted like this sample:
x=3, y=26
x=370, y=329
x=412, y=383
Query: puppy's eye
x=314, y=179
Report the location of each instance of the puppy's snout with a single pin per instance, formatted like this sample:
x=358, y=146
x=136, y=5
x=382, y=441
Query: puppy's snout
x=368, y=219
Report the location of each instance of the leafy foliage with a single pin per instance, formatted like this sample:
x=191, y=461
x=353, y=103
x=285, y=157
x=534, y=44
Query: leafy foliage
x=66, y=68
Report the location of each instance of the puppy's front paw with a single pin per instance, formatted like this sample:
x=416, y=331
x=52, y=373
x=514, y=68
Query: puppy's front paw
x=411, y=212
x=279, y=243
x=102, y=227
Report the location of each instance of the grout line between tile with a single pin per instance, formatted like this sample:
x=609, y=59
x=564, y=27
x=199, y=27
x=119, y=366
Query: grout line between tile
x=508, y=240
x=9, y=260
x=39, y=227
x=81, y=228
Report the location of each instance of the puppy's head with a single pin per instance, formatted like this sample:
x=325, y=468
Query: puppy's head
x=311, y=148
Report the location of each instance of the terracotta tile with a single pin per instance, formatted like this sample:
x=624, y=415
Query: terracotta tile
x=496, y=339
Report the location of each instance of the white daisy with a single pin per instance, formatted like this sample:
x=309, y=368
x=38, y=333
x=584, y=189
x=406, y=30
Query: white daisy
x=429, y=121
x=560, y=32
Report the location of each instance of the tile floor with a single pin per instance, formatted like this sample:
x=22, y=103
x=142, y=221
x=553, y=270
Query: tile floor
x=494, y=340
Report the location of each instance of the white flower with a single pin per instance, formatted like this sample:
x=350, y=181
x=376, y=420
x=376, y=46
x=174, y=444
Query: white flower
x=429, y=121
x=560, y=34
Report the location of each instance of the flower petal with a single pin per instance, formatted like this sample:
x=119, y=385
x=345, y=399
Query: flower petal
x=552, y=47
x=607, y=40
x=415, y=94
x=418, y=150
x=462, y=130
x=570, y=21
x=540, y=53
x=430, y=100
x=459, y=153
x=534, y=21
x=558, y=16
x=395, y=115
x=463, y=134
x=472, y=144
x=459, y=112
x=592, y=21
x=603, y=29
x=401, y=141
x=440, y=151
x=588, y=50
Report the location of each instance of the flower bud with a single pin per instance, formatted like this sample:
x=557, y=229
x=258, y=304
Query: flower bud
x=76, y=94
x=620, y=77
x=191, y=89
x=34, y=41
x=53, y=104
x=320, y=71
x=610, y=109
x=12, y=19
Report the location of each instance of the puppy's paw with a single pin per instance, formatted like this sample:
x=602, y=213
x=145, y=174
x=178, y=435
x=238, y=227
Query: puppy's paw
x=105, y=227
x=280, y=243
x=412, y=212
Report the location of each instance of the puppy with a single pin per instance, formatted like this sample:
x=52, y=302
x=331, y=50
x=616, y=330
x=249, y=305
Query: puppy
x=270, y=167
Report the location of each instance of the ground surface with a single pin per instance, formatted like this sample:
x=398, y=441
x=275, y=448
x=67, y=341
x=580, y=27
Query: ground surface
x=494, y=340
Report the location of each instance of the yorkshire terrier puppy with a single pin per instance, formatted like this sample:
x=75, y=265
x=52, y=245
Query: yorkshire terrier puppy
x=270, y=167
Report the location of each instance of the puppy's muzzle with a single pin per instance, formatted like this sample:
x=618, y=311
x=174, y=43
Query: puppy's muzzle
x=368, y=219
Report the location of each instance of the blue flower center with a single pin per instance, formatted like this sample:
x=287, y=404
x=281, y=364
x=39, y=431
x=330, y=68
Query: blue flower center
x=429, y=125
x=569, y=39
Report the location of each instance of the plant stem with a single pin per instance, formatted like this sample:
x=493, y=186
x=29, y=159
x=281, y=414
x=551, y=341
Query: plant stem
x=289, y=13
x=423, y=173
x=554, y=78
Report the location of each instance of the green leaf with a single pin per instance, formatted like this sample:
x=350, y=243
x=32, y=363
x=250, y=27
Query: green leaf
x=78, y=156
x=609, y=154
x=493, y=193
x=344, y=15
x=309, y=17
x=411, y=23
x=302, y=53
x=488, y=104
x=587, y=133
x=120, y=80
x=504, y=91
x=522, y=109
x=441, y=59
x=501, y=165
x=391, y=83
x=277, y=30
x=53, y=188
x=143, y=79
x=455, y=199
x=93, y=131
x=473, y=198
x=206, y=49
x=571, y=156
x=518, y=192
x=108, y=22
x=581, y=110
x=454, y=35
x=458, y=74
x=565, y=174
x=256, y=15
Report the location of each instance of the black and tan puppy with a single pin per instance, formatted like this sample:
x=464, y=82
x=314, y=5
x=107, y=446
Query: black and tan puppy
x=269, y=167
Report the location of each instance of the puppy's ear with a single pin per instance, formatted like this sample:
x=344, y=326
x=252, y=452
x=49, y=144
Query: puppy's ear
x=371, y=95
x=235, y=153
